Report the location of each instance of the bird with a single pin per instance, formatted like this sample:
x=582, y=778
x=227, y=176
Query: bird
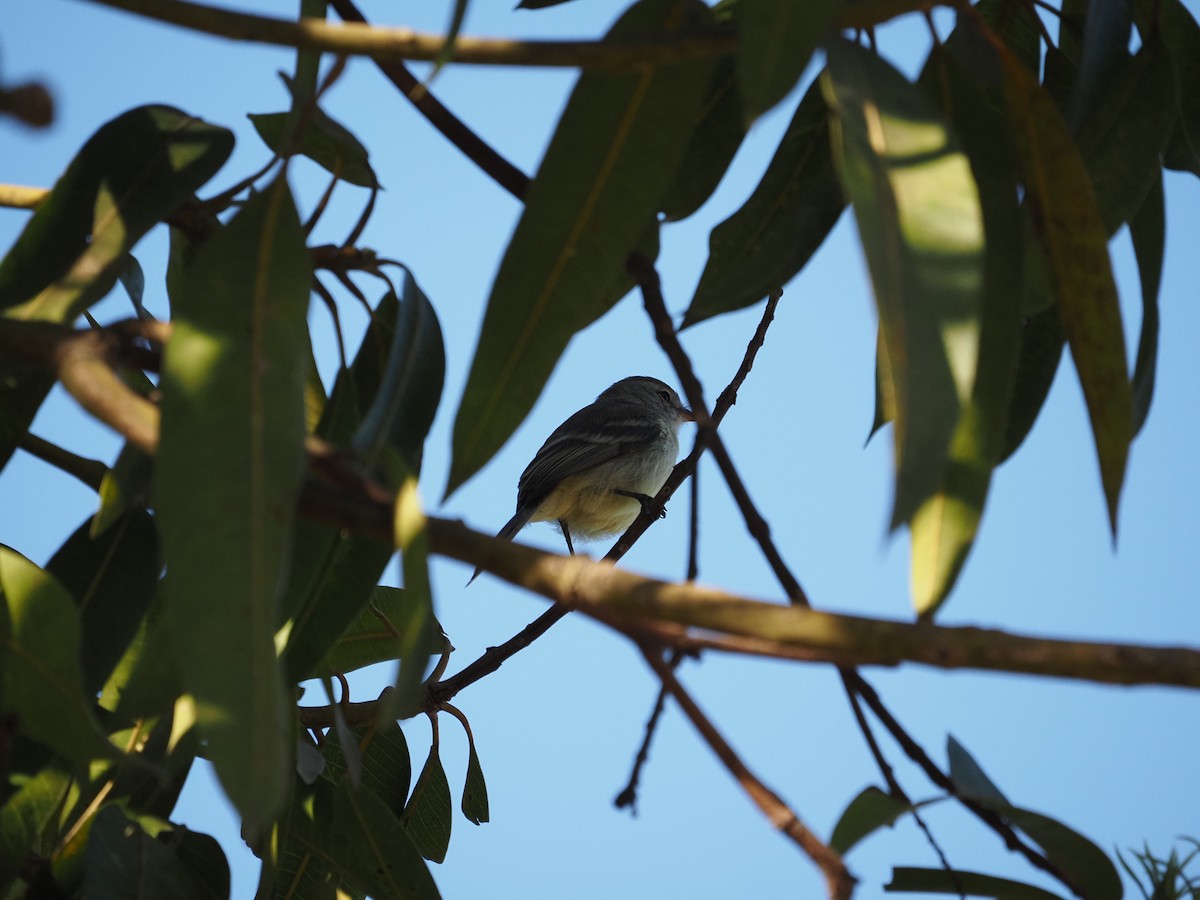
x=604, y=464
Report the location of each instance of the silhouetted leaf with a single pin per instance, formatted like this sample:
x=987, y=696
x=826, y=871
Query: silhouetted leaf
x=1074, y=238
x=871, y=810
x=1148, y=230
x=376, y=635
x=427, y=816
x=475, y=795
x=777, y=230
x=325, y=141
x=233, y=421
x=618, y=143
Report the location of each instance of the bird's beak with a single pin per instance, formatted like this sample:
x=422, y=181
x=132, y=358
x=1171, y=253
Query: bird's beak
x=686, y=414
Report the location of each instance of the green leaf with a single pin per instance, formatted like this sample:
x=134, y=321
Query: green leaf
x=969, y=778
x=146, y=680
x=944, y=529
x=407, y=397
x=1081, y=860
x=371, y=846
x=1122, y=142
x=775, y=42
x=1042, y=343
x=1148, y=230
x=40, y=660
x=344, y=578
x=714, y=142
x=907, y=880
x=325, y=141
x=26, y=816
x=921, y=227
x=871, y=810
x=113, y=579
x=616, y=148
x=128, y=177
x=427, y=816
x=1086, y=864
x=386, y=766
x=376, y=635
x=1073, y=235
x=777, y=230
x=233, y=421
x=475, y=796
x=125, y=485
x=123, y=861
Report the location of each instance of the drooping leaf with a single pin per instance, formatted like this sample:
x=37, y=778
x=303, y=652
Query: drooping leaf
x=1073, y=235
x=1175, y=24
x=113, y=579
x=475, y=795
x=1042, y=343
x=1122, y=141
x=233, y=421
x=714, y=142
x=410, y=388
x=612, y=156
x=775, y=42
x=133, y=279
x=921, y=227
x=1148, y=230
x=42, y=683
x=944, y=529
x=907, y=880
x=777, y=230
x=427, y=817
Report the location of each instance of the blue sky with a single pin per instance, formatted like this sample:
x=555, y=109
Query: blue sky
x=557, y=727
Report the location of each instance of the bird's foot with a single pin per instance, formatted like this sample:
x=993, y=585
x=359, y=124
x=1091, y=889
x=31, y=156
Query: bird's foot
x=649, y=507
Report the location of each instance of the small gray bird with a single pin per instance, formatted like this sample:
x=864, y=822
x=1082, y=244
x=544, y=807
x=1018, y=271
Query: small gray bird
x=599, y=468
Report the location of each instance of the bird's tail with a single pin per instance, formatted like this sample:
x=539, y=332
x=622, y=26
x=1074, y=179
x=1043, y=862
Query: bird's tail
x=509, y=531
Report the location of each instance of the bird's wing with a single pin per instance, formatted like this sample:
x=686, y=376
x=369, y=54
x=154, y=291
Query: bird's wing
x=582, y=443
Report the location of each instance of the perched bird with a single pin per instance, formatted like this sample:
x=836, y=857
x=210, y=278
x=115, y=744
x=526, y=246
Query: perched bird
x=599, y=468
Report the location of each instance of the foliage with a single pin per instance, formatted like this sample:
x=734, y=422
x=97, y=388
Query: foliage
x=984, y=192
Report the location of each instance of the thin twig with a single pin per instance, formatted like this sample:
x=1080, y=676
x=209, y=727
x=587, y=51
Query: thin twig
x=838, y=879
x=628, y=795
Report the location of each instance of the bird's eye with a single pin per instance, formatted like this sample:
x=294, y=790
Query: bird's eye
x=666, y=397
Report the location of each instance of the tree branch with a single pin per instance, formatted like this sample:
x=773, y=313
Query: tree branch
x=353, y=39
x=18, y=196
x=838, y=879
